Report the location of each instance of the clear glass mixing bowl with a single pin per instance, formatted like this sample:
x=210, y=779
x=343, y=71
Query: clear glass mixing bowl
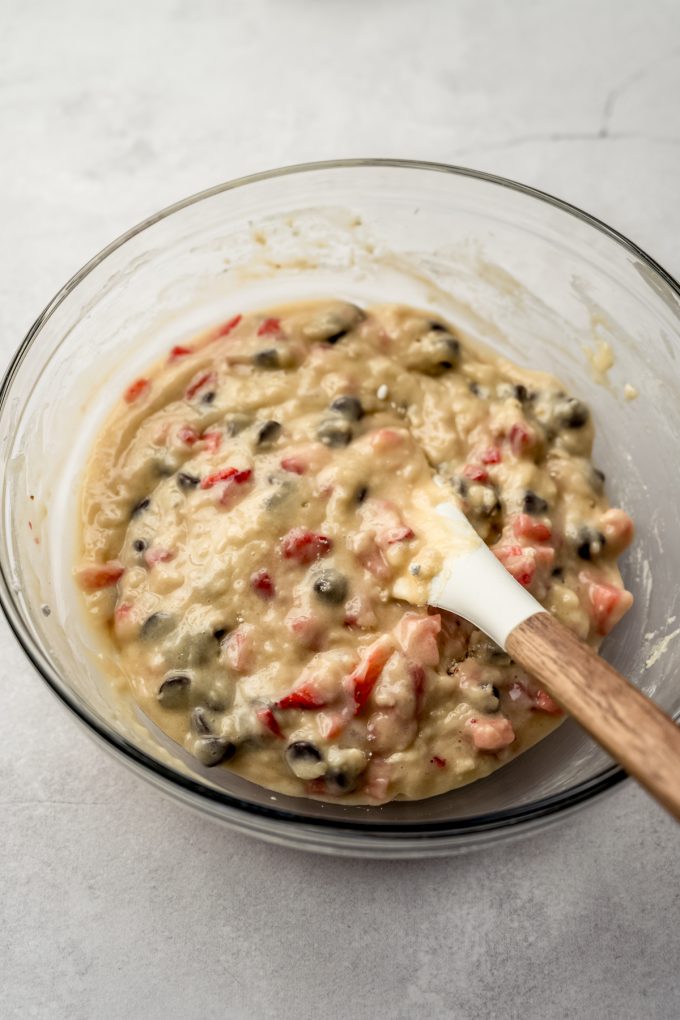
x=537, y=279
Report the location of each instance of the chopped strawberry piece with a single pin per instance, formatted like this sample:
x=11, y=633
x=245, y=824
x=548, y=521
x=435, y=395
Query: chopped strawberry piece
x=135, y=390
x=212, y=440
x=240, y=646
x=416, y=634
x=294, y=464
x=179, y=351
x=491, y=733
x=492, y=455
x=417, y=674
x=219, y=476
x=608, y=604
x=122, y=611
x=304, y=546
x=188, y=435
x=225, y=329
x=303, y=698
x=518, y=561
x=153, y=556
x=100, y=575
x=269, y=720
x=263, y=584
x=362, y=680
x=393, y=535
x=308, y=630
x=475, y=473
x=370, y=557
x=386, y=439
x=525, y=526
x=544, y=703
x=199, y=382
x=269, y=326
x=617, y=529
x=521, y=438
x=439, y=762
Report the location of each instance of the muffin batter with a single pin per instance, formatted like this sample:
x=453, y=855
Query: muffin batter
x=258, y=542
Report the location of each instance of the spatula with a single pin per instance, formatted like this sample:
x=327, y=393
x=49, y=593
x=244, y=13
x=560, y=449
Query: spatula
x=476, y=586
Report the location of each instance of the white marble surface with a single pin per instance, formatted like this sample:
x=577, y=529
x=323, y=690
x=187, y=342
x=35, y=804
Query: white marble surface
x=115, y=902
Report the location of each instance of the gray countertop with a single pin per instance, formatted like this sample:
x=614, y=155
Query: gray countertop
x=114, y=901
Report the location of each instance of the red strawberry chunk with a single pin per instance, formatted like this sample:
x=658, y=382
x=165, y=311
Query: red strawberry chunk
x=439, y=762
x=294, y=464
x=199, y=382
x=269, y=326
x=492, y=455
x=519, y=561
x=392, y=535
x=153, y=556
x=362, y=680
x=544, y=703
x=218, y=476
x=475, y=473
x=525, y=526
x=416, y=634
x=179, y=351
x=212, y=440
x=100, y=575
x=263, y=584
x=607, y=602
x=269, y=721
x=303, y=698
x=491, y=733
x=521, y=438
x=304, y=546
x=225, y=329
x=188, y=435
x=135, y=390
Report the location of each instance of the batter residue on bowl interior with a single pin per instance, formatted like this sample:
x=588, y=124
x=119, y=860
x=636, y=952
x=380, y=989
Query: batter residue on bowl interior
x=258, y=540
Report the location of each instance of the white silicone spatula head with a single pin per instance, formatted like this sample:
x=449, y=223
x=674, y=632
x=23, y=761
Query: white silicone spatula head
x=473, y=584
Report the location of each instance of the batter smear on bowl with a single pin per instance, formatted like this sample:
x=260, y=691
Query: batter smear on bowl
x=258, y=520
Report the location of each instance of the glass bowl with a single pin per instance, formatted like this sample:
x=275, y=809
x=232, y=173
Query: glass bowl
x=535, y=278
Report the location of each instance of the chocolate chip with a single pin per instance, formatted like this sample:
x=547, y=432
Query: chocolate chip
x=303, y=751
x=589, y=543
x=434, y=353
x=139, y=545
x=157, y=626
x=186, y=481
x=269, y=358
x=174, y=691
x=208, y=397
x=348, y=407
x=533, y=504
x=212, y=751
x=268, y=433
x=361, y=493
x=335, y=433
x=220, y=632
x=330, y=586
x=520, y=393
x=572, y=413
x=140, y=507
x=200, y=721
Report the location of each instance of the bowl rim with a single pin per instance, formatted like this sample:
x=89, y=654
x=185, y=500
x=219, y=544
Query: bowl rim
x=508, y=818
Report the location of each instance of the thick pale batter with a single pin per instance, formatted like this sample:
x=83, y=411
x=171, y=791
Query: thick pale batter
x=258, y=522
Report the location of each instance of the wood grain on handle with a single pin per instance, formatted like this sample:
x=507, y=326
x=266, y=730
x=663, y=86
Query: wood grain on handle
x=627, y=724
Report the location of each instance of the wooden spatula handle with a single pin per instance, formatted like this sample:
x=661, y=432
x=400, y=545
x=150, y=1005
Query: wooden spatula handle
x=627, y=724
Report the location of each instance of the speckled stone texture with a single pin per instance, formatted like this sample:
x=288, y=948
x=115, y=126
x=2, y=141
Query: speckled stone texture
x=117, y=903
